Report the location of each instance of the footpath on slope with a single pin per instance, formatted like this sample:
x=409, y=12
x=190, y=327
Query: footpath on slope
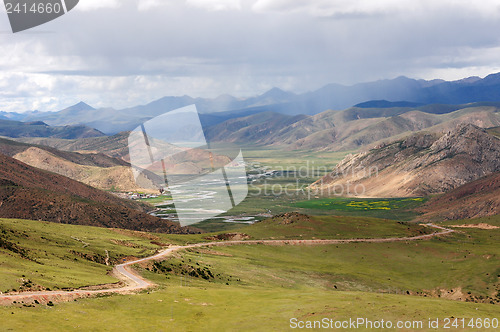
x=134, y=282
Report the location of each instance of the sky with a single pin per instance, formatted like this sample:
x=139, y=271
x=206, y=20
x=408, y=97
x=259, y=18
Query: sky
x=121, y=53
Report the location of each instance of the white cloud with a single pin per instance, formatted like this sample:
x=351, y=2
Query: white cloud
x=216, y=5
x=323, y=8
x=356, y=8
x=144, y=5
x=88, y=5
x=146, y=49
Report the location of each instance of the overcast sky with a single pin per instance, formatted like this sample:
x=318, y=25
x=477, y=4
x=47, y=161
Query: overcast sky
x=122, y=53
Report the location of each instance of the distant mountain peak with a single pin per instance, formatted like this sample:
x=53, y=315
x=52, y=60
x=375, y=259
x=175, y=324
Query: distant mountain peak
x=472, y=79
x=37, y=123
x=225, y=98
x=277, y=93
x=81, y=106
x=492, y=79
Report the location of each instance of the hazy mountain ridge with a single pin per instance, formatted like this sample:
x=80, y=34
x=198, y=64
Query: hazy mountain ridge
x=40, y=129
x=401, y=91
x=346, y=130
x=115, y=146
x=349, y=129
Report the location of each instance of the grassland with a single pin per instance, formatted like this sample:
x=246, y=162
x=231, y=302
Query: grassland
x=258, y=287
x=297, y=158
x=37, y=254
x=390, y=208
x=228, y=308
x=400, y=209
x=293, y=226
x=157, y=200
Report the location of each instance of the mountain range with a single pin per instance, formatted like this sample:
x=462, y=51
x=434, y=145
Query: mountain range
x=422, y=137
x=350, y=129
x=16, y=129
x=421, y=164
x=401, y=91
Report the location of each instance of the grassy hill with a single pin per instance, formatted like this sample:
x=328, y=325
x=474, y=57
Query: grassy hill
x=300, y=226
x=396, y=281
x=41, y=255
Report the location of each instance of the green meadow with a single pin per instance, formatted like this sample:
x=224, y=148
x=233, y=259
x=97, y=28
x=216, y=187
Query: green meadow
x=58, y=256
x=258, y=287
x=390, y=208
x=329, y=227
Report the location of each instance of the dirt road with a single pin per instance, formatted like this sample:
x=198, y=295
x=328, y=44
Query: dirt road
x=134, y=282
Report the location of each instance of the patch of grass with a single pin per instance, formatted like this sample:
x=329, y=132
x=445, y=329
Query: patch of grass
x=217, y=225
x=54, y=256
x=296, y=226
x=157, y=200
x=465, y=261
x=389, y=208
x=276, y=157
x=228, y=308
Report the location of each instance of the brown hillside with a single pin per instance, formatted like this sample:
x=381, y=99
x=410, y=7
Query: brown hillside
x=117, y=178
x=476, y=199
x=95, y=169
x=29, y=193
x=114, y=146
x=10, y=148
x=419, y=165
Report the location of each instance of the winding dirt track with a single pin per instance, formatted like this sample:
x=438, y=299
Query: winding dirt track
x=134, y=282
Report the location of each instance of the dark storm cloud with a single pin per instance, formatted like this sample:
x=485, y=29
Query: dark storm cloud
x=120, y=53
